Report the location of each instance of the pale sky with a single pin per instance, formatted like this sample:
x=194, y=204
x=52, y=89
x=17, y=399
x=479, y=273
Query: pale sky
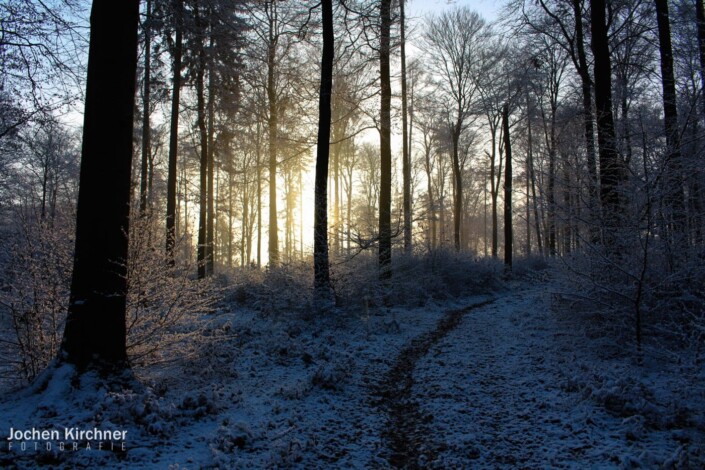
x=487, y=8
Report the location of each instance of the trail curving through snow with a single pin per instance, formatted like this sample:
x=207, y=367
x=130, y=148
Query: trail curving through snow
x=405, y=434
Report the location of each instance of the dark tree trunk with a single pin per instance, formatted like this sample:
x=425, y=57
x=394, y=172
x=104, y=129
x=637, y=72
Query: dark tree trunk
x=95, y=326
x=611, y=166
x=534, y=198
x=532, y=176
x=431, y=203
x=203, y=132
x=272, y=124
x=146, y=130
x=494, y=188
x=320, y=220
x=551, y=212
x=210, y=232
x=585, y=85
x=527, y=208
x=406, y=148
x=697, y=194
x=259, y=199
x=700, y=16
x=458, y=185
x=508, y=228
x=385, y=193
x=336, y=194
x=674, y=191
x=174, y=136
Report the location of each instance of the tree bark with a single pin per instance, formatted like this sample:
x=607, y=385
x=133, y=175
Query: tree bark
x=508, y=227
x=457, y=185
x=174, y=135
x=585, y=85
x=700, y=16
x=146, y=129
x=674, y=165
x=320, y=217
x=385, y=194
x=611, y=165
x=202, y=251
x=210, y=212
x=551, y=212
x=431, y=217
x=406, y=148
x=273, y=140
x=532, y=176
x=95, y=332
x=259, y=197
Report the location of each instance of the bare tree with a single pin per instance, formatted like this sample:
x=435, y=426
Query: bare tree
x=320, y=225
x=177, y=52
x=612, y=171
x=385, y=133
x=406, y=129
x=674, y=191
x=453, y=38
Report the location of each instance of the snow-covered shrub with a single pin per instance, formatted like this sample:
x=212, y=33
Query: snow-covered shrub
x=164, y=302
x=530, y=266
x=639, y=294
x=286, y=288
x=416, y=279
x=35, y=293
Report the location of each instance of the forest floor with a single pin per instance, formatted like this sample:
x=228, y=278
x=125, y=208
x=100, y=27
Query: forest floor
x=511, y=379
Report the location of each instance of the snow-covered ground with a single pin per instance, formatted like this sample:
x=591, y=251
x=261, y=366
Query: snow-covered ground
x=517, y=384
x=514, y=384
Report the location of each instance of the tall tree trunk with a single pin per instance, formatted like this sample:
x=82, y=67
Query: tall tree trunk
x=674, y=166
x=568, y=210
x=259, y=197
x=406, y=148
x=529, y=169
x=551, y=212
x=349, y=206
x=272, y=124
x=697, y=193
x=174, y=135
x=494, y=192
x=321, y=267
x=95, y=331
x=385, y=193
x=244, y=242
x=508, y=227
x=441, y=205
x=585, y=85
x=429, y=189
x=336, y=196
x=203, y=131
x=626, y=132
x=231, y=217
x=458, y=185
x=532, y=176
x=45, y=180
x=611, y=166
x=210, y=232
x=146, y=130
x=700, y=16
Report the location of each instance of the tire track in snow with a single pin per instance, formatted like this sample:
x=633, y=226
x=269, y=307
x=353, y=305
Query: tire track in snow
x=405, y=436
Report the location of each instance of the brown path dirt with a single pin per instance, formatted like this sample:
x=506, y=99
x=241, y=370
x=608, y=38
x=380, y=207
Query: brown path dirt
x=405, y=435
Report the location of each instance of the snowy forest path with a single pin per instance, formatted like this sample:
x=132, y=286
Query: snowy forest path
x=405, y=435
x=493, y=393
